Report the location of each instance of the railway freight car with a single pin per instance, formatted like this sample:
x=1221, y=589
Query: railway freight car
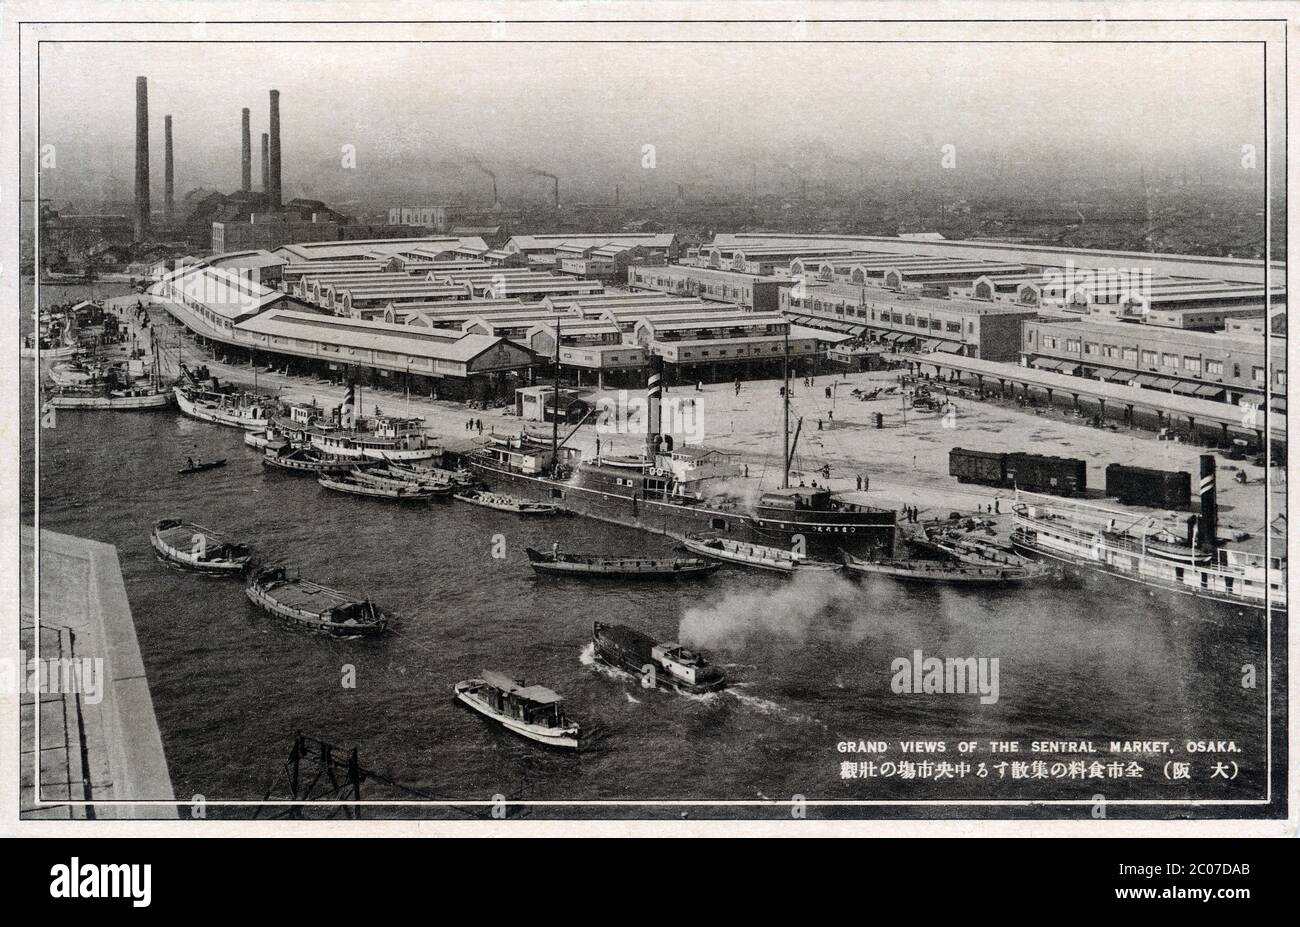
x=1164, y=489
x=987, y=467
x=1061, y=476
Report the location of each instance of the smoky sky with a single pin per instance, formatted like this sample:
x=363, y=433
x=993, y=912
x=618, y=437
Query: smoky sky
x=726, y=116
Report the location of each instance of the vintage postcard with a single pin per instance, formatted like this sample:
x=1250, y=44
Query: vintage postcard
x=762, y=417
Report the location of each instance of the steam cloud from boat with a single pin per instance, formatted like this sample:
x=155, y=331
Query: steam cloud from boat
x=790, y=610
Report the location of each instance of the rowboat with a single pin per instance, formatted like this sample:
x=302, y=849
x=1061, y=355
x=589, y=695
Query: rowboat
x=305, y=460
x=558, y=564
x=311, y=606
x=387, y=478
x=355, y=487
x=200, y=467
x=196, y=548
x=775, y=559
x=952, y=572
x=529, y=711
x=504, y=503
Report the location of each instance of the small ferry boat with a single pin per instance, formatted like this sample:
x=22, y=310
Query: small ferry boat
x=776, y=559
x=311, y=606
x=271, y=439
x=534, y=712
x=956, y=572
x=355, y=487
x=379, y=437
x=674, y=665
x=200, y=466
x=305, y=460
x=504, y=503
x=558, y=564
x=196, y=548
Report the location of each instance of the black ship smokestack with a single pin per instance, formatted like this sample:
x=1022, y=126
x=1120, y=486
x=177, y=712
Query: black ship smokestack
x=273, y=190
x=169, y=187
x=245, y=153
x=141, y=211
x=1209, y=504
x=266, y=169
x=653, y=393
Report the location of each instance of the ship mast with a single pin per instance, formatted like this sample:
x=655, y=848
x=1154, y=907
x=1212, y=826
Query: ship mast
x=785, y=411
x=555, y=414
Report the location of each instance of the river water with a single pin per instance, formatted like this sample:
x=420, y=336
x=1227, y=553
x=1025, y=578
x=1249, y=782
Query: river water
x=810, y=660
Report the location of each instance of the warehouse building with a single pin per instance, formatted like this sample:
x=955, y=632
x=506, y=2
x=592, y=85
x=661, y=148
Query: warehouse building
x=754, y=291
x=1209, y=365
x=541, y=250
x=974, y=329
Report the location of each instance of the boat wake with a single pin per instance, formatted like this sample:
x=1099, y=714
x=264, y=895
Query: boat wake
x=765, y=706
x=588, y=658
x=634, y=701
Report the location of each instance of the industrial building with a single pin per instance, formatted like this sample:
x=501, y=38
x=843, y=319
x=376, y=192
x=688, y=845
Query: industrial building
x=986, y=330
x=540, y=250
x=1210, y=365
x=429, y=217
x=755, y=291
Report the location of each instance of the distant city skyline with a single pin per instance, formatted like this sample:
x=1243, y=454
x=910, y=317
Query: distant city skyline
x=424, y=118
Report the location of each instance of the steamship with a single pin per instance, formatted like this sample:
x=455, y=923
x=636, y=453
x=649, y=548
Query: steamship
x=1129, y=547
x=679, y=491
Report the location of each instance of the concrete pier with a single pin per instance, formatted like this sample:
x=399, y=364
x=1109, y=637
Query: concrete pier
x=99, y=739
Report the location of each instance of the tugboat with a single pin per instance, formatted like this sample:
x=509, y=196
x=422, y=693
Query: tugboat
x=680, y=491
x=675, y=666
x=529, y=711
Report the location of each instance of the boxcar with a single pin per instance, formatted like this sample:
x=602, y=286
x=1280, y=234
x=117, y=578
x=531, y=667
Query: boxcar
x=1062, y=476
x=987, y=467
x=1165, y=489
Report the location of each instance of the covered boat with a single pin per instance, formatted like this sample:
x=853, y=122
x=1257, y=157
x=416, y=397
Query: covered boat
x=558, y=564
x=673, y=665
x=311, y=606
x=504, y=503
x=196, y=548
x=534, y=712
x=776, y=559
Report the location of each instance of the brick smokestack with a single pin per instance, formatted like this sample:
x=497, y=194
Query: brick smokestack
x=245, y=154
x=273, y=189
x=141, y=211
x=266, y=170
x=169, y=187
x=1209, y=504
x=557, y=193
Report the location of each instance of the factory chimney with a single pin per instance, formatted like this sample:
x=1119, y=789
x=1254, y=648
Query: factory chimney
x=496, y=202
x=266, y=178
x=557, y=193
x=141, y=212
x=1209, y=504
x=245, y=154
x=169, y=187
x=273, y=190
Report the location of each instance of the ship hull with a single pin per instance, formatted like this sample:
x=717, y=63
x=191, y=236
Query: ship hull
x=207, y=413
x=1091, y=569
x=669, y=518
x=634, y=659
x=113, y=403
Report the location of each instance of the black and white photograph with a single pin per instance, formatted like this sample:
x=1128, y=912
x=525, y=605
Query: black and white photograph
x=773, y=417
